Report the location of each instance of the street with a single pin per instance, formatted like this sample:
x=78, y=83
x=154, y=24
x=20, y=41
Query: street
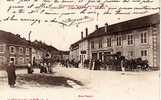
x=81, y=84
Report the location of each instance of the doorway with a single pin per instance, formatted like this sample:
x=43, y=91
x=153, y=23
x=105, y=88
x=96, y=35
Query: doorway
x=12, y=59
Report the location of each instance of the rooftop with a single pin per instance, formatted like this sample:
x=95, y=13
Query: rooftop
x=11, y=38
x=125, y=26
x=133, y=24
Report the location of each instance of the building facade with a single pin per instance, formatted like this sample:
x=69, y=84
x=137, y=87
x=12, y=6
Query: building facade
x=14, y=48
x=136, y=38
x=79, y=51
x=42, y=52
x=64, y=55
x=74, y=52
x=37, y=55
x=83, y=51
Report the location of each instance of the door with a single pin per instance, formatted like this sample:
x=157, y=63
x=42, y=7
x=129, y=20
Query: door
x=13, y=59
x=94, y=56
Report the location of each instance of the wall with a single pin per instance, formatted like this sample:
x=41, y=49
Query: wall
x=74, y=54
x=83, y=51
x=152, y=45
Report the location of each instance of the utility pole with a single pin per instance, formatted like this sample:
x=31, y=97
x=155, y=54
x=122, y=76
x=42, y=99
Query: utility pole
x=29, y=35
x=30, y=49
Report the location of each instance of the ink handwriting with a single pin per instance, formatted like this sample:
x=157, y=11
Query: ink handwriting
x=66, y=12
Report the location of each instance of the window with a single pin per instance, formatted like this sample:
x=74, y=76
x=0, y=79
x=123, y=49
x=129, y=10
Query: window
x=94, y=56
x=27, y=51
x=144, y=53
x=20, y=60
x=100, y=56
x=108, y=42
x=144, y=37
x=20, y=50
x=130, y=39
x=2, y=60
x=27, y=59
x=119, y=41
x=130, y=53
x=100, y=43
x=92, y=44
x=12, y=49
x=2, y=48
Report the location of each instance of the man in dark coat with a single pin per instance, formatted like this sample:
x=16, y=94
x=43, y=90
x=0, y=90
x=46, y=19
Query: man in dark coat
x=97, y=65
x=11, y=74
x=29, y=68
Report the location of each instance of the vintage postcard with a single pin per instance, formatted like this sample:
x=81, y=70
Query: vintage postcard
x=80, y=50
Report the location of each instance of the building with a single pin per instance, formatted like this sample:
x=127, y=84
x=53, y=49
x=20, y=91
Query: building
x=14, y=48
x=79, y=51
x=74, y=52
x=64, y=55
x=136, y=38
x=42, y=51
x=37, y=55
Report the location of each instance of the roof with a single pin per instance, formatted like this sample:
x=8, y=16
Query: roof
x=43, y=46
x=137, y=23
x=11, y=38
x=65, y=52
x=114, y=29
x=76, y=43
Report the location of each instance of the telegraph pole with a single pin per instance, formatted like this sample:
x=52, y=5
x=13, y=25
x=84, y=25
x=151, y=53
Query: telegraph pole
x=30, y=49
x=29, y=35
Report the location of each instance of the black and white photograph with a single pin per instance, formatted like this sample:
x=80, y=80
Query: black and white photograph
x=80, y=50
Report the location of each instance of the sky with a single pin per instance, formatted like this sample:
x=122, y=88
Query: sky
x=58, y=35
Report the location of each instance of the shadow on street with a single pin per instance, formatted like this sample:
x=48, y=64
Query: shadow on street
x=45, y=80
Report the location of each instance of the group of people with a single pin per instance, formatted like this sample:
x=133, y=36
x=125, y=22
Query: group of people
x=45, y=68
x=67, y=63
x=11, y=71
x=117, y=63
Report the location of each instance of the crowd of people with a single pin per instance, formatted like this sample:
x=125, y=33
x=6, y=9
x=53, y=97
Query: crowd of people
x=68, y=64
x=117, y=63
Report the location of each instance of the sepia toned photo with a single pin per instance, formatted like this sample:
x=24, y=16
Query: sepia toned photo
x=80, y=50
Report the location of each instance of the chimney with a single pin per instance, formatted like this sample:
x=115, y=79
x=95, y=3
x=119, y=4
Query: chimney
x=96, y=27
x=81, y=35
x=86, y=32
x=106, y=27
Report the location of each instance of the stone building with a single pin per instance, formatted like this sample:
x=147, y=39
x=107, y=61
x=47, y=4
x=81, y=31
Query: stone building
x=136, y=38
x=14, y=48
x=42, y=51
x=74, y=52
x=79, y=51
x=64, y=55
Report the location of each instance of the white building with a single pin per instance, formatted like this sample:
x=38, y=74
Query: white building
x=136, y=38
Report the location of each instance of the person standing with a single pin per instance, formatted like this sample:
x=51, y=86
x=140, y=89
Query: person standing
x=11, y=74
x=45, y=67
x=49, y=67
x=122, y=64
x=67, y=63
x=29, y=68
x=93, y=64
